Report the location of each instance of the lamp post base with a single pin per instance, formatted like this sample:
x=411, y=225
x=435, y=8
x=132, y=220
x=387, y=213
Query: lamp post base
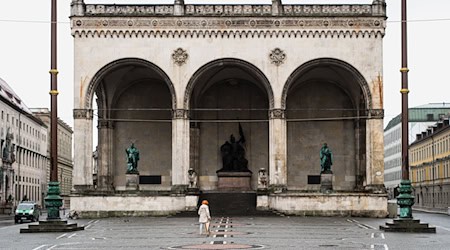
x=53, y=223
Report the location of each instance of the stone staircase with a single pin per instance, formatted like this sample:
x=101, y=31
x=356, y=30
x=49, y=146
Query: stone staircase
x=230, y=204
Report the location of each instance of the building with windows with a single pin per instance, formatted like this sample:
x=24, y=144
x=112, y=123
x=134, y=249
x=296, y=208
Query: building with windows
x=420, y=118
x=177, y=80
x=429, y=158
x=24, y=143
x=65, y=163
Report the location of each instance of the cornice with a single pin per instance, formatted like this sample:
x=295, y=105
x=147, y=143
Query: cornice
x=220, y=27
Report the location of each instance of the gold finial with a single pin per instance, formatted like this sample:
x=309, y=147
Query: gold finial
x=404, y=91
x=53, y=71
x=54, y=92
x=404, y=70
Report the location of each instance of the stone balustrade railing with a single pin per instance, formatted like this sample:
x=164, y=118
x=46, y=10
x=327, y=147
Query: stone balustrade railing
x=235, y=10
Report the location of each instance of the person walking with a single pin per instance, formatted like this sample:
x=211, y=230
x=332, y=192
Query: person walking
x=204, y=217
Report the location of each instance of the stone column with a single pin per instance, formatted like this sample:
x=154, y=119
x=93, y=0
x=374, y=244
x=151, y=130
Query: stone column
x=277, y=149
x=82, y=169
x=105, y=149
x=180, y=149
x=375, y=151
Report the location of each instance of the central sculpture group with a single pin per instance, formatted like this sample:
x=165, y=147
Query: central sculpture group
x=233, y=154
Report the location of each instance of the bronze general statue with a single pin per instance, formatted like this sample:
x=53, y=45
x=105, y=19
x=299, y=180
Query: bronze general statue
x=132, y=159
x=326, y=159
x=233, y=154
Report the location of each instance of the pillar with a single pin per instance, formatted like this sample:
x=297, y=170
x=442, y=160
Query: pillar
x=180, y=149
x=82, y=169
x=105, y=149
x=375, y=151
x=277, y=149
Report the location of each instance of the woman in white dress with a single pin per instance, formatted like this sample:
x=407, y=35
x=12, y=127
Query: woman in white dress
x=204, y=217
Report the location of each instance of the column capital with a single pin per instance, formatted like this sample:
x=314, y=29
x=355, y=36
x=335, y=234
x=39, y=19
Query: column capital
x=105, y=124
x=375, y=113
x=83, y=114
x=180, y=114
x=277, y=114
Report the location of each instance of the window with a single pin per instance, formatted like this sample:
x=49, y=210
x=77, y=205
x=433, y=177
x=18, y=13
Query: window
x=430, y=117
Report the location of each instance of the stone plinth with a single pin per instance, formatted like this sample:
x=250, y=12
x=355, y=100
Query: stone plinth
x=234, y=181
x=326, y=183
x=132, y=182
x=407, y=226
x=52, y=226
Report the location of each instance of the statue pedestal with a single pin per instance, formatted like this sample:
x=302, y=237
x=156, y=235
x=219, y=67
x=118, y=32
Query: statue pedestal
x=132, y=181
x=326, y=181
x=234, y=181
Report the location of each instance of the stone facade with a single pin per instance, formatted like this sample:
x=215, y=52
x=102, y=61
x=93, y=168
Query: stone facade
x=23, y=171
x=177, y=80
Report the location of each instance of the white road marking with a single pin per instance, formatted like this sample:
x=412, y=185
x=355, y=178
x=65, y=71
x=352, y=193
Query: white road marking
x=446, y=229
x=70, y=236
x=39, y=247
x=62, y=235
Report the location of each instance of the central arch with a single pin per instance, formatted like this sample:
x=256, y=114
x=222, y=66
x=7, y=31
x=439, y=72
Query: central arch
x=220, y=64
x=220, y=96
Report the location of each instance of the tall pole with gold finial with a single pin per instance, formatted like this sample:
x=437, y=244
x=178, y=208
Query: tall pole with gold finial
x=53, y=200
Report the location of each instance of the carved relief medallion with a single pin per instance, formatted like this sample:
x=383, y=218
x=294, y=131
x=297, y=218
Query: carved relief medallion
x=277, y=56
x=180, y=56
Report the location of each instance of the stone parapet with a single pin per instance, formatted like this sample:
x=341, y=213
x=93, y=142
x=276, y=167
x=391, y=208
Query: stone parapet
x=232, y=10
x=335, y=204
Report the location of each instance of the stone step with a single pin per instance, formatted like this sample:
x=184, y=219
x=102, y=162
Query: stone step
x=407, y=225
x=51, y=226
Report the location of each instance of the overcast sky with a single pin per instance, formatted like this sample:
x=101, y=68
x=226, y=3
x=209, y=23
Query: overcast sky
x=25, y=50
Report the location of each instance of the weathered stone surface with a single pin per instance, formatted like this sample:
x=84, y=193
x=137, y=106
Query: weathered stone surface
x=265, y=64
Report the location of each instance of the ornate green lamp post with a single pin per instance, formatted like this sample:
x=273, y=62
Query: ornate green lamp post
x=53, y=201
x=405, y=200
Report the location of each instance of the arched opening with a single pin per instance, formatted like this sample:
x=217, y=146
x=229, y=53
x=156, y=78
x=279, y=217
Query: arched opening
x=135, y=100
x=221, y=95
x=325, y=101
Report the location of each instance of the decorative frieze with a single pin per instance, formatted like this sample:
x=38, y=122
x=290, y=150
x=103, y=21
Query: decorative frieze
x=180, y=56
x=277, y=114
x=83, y=114
x=277, y=56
